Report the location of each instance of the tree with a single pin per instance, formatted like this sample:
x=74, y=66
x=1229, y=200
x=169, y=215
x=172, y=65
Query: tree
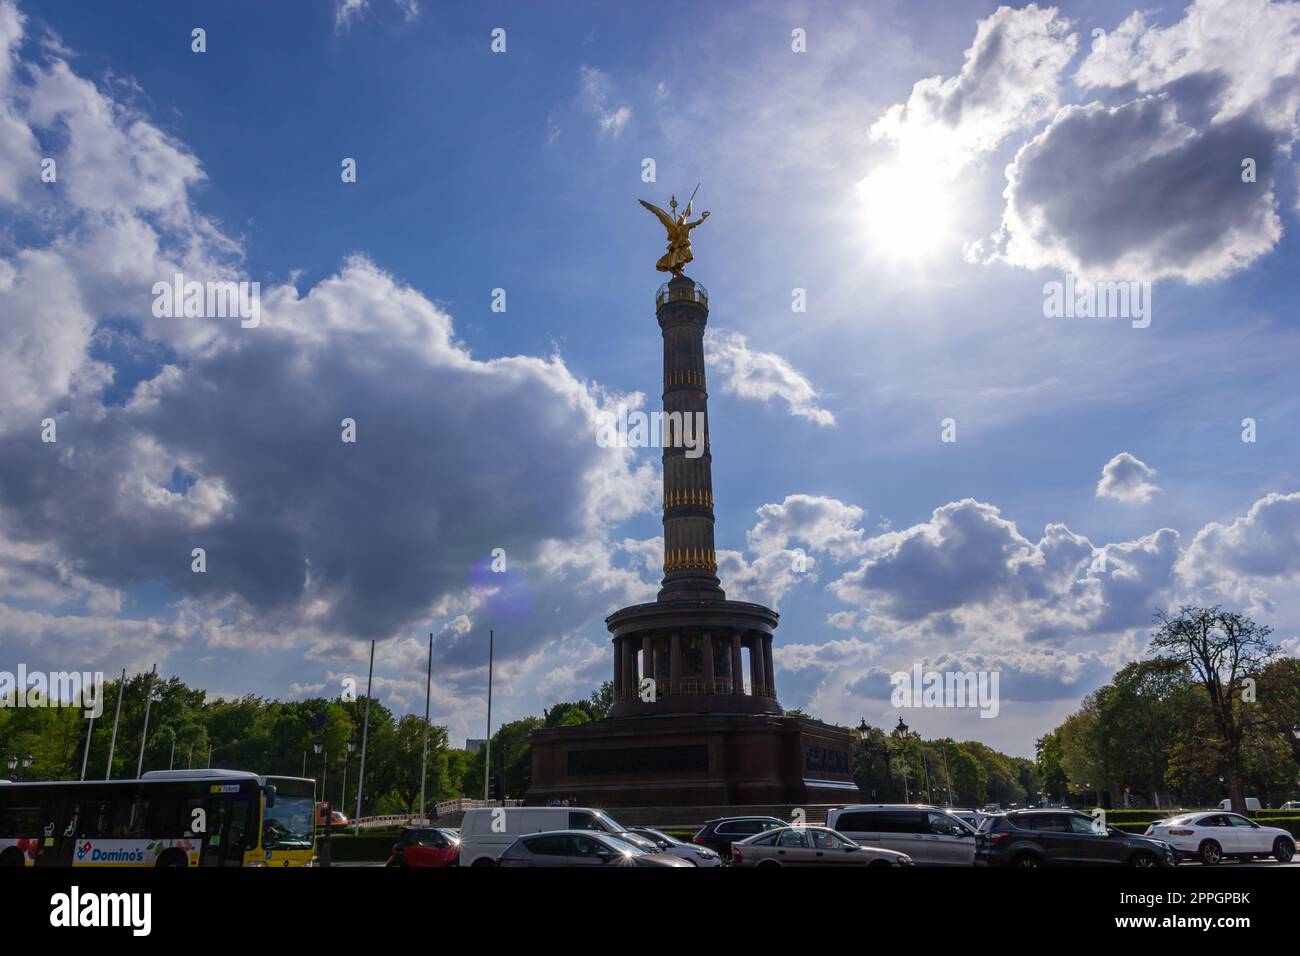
x=1224, y=650
x=871, y=766
x=567, y=714
x=1052, y=778
x=599, y=703
x=1279, y=703
x=1003, y=775
x=969, y=779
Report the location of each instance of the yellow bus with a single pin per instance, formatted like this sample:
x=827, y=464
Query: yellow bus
x=166, y=818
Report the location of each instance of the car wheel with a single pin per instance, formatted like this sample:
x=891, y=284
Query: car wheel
x=1211, y=853
x=173, y=858
x=12, y=857
x=483, y=861
x=1144, y=859
x=1283, y=850
x=1027, y=859
x=880, y=863
x=768, y=863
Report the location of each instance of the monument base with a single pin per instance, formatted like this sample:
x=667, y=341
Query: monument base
x=675, y=760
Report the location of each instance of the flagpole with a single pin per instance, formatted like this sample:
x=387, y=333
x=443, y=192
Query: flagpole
x=144, y=731
x=424, y=756
x=86, y=756
x=365, y=736
x=487, y=756
x=112, y=744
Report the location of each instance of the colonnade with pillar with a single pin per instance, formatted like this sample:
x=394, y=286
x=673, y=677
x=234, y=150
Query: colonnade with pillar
x=693, y=662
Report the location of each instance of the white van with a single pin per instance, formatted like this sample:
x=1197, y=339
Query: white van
x=1252, y=803
x=487, y=831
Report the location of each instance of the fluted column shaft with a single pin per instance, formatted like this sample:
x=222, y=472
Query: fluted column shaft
x=690, y=561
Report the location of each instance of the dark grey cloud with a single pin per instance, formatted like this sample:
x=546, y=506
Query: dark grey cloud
x=1133, y=192
x=453, y=458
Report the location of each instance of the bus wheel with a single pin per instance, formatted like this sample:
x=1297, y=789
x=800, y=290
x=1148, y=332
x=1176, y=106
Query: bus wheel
x=11, y=857
x=173, y=857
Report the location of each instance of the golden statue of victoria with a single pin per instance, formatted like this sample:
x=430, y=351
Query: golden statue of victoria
x=679, y=234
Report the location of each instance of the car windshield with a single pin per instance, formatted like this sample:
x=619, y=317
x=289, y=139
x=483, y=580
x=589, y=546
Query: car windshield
x=607, y=823
x=660, y=835
x=827, y=833
x=288, y=824
x=622, y=846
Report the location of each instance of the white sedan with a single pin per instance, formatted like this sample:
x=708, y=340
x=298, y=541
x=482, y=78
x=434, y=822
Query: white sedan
x=1212, y=836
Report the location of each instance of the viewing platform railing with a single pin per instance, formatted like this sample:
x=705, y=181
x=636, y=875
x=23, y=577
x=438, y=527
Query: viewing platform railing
x=696, y=293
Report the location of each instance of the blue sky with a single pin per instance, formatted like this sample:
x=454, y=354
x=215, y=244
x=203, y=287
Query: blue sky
x=920, y=171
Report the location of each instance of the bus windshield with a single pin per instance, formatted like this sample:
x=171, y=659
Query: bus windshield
x=288, y=824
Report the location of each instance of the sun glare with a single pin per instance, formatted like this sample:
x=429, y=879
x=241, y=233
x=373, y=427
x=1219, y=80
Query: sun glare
x=907, y=212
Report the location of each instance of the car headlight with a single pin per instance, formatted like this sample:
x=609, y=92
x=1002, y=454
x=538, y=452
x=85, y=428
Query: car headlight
x=258, y=863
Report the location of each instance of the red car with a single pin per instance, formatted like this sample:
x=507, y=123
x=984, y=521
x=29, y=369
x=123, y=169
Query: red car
x=426, y=846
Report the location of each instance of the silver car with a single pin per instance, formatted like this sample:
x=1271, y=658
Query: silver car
x=581, y=848
x=690, y=852
x=810, y=846
x=931, y=836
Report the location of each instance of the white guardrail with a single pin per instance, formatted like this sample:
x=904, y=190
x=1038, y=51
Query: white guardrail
x=440, y=810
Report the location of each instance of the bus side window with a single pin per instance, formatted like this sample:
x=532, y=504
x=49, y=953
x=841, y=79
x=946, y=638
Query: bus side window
x=239, y=831
x=131, y=820
x=99, y=820
x=20, y=822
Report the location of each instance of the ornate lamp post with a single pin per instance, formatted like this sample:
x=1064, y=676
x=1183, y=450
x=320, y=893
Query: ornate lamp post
x=14, y=762
x=318, y=748
x=323, y=858
x=901, y=730
x=347, y=755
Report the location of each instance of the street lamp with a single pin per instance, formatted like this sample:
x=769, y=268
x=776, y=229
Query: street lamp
x=878, y=748
x=901, y=730
x=14, y=761
x=318, y=748
x=1295, y=731
x=351, y=748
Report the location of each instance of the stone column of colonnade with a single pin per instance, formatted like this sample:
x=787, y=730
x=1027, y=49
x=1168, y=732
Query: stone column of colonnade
x=635, y=657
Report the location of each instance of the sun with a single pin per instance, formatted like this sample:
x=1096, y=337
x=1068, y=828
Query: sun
x=907, y=211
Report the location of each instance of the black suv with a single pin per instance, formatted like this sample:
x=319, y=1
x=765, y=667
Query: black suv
x=719, y=834
x=1063, y=838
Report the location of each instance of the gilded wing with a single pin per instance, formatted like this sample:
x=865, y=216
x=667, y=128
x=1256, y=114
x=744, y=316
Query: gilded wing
x=666, y=219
